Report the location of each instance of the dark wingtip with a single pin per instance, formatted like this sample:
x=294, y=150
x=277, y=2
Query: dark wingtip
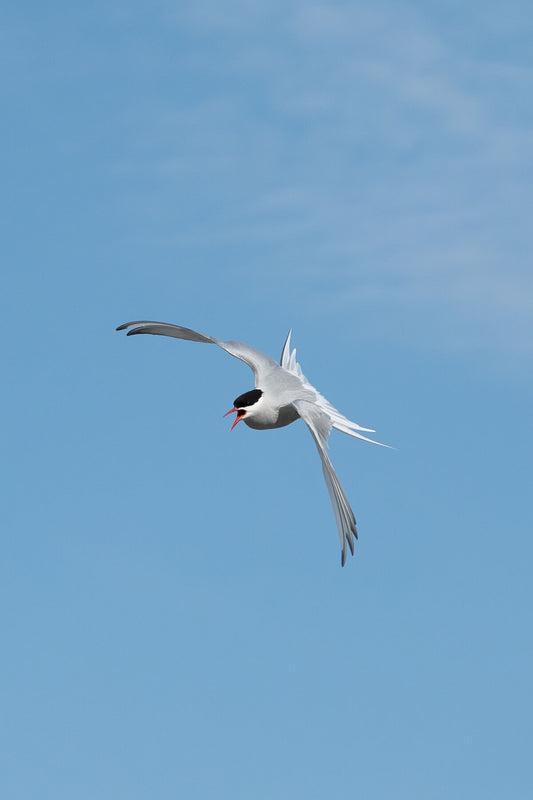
x=133, y=330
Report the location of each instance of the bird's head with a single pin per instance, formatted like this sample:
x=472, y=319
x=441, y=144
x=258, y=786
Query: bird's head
x=245, y=405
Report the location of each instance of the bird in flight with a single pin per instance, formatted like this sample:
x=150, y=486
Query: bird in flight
x=282, y=394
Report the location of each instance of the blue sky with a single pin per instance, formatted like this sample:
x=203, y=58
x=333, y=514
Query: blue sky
x=175, y=619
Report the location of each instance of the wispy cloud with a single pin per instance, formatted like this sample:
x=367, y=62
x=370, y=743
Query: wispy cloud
x=389, y=147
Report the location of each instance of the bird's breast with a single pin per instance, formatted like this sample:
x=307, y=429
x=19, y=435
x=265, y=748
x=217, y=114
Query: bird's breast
x=272, y=418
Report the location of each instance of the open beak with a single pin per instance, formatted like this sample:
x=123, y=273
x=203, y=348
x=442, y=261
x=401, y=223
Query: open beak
x=237, y=418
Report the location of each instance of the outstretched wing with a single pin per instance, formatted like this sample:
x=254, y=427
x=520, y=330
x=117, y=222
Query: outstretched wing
x=257, y=361
x=320, y=424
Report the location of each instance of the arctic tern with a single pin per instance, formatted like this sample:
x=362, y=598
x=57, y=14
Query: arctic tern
x=282, y=394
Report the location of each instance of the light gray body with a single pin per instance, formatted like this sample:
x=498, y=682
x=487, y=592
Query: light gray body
x=273, y=418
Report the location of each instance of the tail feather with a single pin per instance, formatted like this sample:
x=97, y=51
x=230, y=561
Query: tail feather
x=338, y=420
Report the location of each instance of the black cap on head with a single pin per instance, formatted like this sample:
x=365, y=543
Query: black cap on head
x=248, y=398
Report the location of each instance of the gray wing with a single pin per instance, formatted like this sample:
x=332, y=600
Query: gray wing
x=257, y=361
x=320, y=426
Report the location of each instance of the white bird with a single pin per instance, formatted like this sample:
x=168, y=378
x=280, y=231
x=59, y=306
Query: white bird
x=281, y=395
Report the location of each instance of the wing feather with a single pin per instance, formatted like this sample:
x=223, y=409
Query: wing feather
x=258, y=362
x=320, y=426
x=286, y=352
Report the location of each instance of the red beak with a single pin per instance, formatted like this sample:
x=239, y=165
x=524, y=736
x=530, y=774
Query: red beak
x=237, y=419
